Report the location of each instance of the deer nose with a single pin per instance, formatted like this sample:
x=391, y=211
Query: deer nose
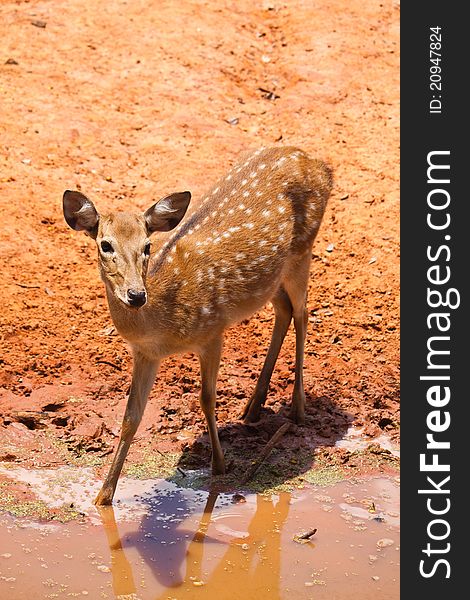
x=137, y=298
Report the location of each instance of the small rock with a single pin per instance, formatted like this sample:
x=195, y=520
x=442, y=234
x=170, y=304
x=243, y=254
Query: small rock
x=373, y=260
x=103, y=568
x=238, y=499
x=41, y=24
x=384, y=542
x=330, y=247
x=375, y=577
x=11, y=61
x=379, y=519
x=233, y=121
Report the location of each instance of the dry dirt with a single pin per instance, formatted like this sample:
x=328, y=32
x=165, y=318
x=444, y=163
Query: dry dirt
x=130, y=100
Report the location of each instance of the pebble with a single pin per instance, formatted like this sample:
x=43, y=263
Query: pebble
x=384, y=542
x=103, y=568
x=238, y=499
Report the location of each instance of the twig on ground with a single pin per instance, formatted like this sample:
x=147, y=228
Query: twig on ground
x=28, y=287
x=110, y=364
x=265, y=452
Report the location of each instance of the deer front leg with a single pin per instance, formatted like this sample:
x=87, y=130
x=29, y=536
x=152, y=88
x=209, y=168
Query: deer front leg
x=143, y=376
x=209, y=359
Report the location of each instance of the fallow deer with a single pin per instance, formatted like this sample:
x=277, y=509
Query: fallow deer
x=248, y=242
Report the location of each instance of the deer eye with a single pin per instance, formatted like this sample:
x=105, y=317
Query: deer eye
x=106, y=246
x=147, y=249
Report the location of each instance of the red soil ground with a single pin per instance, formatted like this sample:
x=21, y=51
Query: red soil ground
x=129, y=101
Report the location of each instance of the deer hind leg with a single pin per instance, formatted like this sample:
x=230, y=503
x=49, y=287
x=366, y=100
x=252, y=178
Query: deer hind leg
x=296, y=287
x=143, y=377
x=283, y=316
x=209, y=359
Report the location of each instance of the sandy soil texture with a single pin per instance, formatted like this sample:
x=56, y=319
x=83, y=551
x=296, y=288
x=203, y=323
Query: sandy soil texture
x=129, y=101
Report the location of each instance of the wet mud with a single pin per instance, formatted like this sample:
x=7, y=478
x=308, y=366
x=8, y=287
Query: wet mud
x=170, y=542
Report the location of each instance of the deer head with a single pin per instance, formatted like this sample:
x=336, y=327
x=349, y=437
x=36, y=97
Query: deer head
x=123, y=241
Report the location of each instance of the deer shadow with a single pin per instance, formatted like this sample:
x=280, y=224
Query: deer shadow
x=292, y=456
x=167, y=538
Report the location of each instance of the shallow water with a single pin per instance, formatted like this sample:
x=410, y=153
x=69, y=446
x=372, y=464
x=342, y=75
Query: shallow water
x=164, y=542
x=354, y=439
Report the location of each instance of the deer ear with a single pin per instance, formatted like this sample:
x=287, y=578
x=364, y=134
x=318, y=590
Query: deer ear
x=80, y=213
x=167, y=212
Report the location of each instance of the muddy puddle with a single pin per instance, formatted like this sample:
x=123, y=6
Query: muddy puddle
x=160, y=541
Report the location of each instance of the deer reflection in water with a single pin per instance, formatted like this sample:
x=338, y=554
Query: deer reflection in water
x=250, y=564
